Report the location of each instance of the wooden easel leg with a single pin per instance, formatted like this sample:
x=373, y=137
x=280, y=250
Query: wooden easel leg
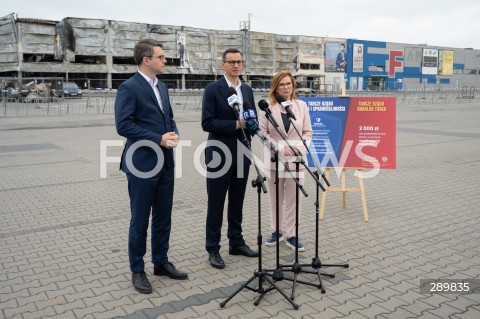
x=362, y=193
x=344, y=188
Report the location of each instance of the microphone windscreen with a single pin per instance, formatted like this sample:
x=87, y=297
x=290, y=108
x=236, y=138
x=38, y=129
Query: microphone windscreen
x=248, y=111
x=263, y=105
x=231, y=91
x=279, y=98
x=246, y=114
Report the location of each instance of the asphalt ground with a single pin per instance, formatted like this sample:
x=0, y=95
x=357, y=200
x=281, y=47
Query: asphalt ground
x=63, y=228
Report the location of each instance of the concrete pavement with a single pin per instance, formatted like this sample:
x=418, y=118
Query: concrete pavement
x=63, y=233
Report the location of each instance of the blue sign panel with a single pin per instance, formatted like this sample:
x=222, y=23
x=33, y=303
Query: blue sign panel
x=328, y=116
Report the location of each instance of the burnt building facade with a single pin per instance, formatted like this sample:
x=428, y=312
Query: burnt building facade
x=98, y=53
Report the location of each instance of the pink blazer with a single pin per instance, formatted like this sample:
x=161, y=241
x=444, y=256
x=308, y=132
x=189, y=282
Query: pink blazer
x=303, y=125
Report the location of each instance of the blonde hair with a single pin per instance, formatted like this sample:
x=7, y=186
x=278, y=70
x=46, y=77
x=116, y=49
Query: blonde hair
x=276, y=81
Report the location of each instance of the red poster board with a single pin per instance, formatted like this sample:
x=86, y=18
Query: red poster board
x=370, y=133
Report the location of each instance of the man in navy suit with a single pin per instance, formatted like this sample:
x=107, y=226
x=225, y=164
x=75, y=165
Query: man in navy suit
x=144, y=116
x=341, y=61
x=226, y=172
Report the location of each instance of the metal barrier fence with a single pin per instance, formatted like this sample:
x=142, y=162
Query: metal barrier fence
x=11, y=107
x=102, y=102
x=424, y=97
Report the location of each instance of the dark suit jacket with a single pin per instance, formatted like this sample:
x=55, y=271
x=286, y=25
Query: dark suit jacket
x=218, y=119
x=339, y=60
x=138, y=118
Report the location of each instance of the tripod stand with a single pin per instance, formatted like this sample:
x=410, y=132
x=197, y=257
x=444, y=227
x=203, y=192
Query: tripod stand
x=259, y=273
x=277, y=274
x=316, y=264
x=296, y=267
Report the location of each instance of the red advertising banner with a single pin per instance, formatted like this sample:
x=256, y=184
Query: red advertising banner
x=370, y=133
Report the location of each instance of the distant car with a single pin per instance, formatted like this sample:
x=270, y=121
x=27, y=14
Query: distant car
x=71, y=89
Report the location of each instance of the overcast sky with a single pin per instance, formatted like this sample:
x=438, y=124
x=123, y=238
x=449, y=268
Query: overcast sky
x=435, y=22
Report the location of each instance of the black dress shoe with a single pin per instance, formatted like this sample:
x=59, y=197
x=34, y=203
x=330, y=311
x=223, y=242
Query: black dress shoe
x=216, y=260
x=141, y=283
x=169, y=270
x=243, y=250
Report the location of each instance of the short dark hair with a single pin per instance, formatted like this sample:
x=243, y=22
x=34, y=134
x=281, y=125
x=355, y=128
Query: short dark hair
x=230, y=50
x=144, y=48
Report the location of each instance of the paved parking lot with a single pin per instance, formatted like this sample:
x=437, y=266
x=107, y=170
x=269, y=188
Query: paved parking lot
x=63, y=234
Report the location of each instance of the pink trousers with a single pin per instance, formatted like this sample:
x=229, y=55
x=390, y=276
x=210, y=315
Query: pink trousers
x=286, y=200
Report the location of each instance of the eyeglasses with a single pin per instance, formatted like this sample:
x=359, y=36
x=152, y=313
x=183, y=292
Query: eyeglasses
x=284, y=85
x=232, y=63
x=161, y=57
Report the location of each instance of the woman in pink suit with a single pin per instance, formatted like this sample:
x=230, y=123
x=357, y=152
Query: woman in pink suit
x=283, y=83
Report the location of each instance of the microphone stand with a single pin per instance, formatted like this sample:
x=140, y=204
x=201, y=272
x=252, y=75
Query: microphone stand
x=290, y=115
x=316, y=263
x=296, y=268
x=272, y=148
x=317, y=165
x=259, y=273
x=277, y=274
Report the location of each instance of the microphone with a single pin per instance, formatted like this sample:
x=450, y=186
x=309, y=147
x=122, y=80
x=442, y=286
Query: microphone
x=249, y=115
x=263, y=105
x=248, y=111
x=233, y=100
x=286, y=105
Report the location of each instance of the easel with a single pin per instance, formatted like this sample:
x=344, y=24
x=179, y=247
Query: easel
x=344, y=190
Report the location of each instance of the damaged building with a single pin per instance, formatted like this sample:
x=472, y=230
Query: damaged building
x=98, y=53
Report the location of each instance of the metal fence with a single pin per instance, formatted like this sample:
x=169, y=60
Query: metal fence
x=11, y=107
x=425, y=97
x=190, y=100
x=101, y=101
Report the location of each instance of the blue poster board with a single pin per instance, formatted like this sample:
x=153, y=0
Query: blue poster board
x=328, y=116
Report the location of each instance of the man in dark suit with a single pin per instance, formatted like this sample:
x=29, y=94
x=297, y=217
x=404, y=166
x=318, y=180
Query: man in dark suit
x=341, y=61
x=144, y=116
x=226, y=172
